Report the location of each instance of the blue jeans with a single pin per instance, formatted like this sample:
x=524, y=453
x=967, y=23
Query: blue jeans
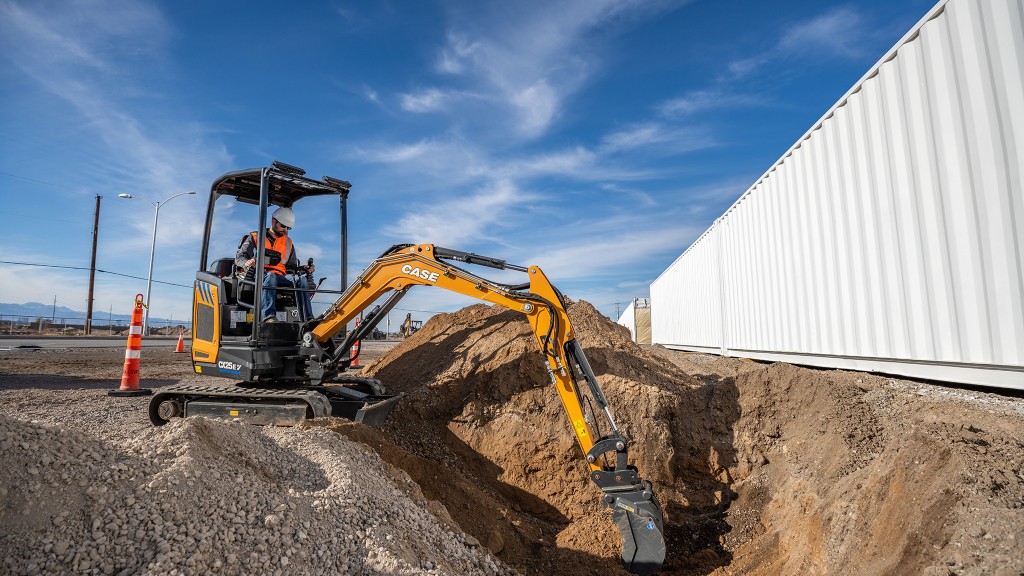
x=272, y=281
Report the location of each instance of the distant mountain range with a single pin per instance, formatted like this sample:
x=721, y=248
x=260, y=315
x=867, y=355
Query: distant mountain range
x=34, y=310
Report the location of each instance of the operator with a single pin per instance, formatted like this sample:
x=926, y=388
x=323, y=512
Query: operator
x=283, y=219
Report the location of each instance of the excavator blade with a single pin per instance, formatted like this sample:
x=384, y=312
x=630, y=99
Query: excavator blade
x=641, y=526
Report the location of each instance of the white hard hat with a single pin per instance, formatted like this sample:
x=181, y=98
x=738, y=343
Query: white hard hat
x=285, y=216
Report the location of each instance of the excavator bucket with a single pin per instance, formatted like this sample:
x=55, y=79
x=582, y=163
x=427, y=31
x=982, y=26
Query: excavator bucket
x=639, y=518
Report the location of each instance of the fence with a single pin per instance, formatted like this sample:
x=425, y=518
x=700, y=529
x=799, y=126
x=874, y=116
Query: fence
x=75, y=325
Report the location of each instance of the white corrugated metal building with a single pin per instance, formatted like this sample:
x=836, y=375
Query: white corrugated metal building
x=637, y=318
x=890, y=237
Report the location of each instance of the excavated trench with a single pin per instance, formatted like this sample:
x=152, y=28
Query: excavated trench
x=762, y=469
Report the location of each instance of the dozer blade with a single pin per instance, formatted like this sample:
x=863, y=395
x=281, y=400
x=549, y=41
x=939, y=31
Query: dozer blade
x=371, y=410
x=641, y=526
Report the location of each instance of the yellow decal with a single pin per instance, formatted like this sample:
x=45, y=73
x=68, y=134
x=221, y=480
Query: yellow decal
x=621, y=505
x=235, y=413
x=199, y=369
x=581, y=428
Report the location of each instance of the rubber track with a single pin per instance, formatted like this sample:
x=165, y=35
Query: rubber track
x=318, y=402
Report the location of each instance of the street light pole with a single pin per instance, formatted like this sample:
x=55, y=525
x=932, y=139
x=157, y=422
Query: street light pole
x=152, y=249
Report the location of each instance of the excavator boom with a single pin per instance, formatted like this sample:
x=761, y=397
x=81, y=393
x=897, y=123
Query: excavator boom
x=636, y=511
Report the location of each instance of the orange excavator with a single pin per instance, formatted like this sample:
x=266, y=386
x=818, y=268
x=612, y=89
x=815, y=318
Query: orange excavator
x=291, y=370
x=409, y=326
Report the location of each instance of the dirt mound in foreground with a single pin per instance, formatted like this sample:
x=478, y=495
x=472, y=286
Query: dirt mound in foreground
x=199, y=496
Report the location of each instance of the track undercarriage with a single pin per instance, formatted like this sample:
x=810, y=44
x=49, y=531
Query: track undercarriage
x=355, y=398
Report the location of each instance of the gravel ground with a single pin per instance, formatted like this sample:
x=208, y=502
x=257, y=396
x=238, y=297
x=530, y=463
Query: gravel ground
x=89, y=486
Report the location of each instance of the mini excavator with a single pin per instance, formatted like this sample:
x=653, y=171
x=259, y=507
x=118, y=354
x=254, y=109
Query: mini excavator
x=291, y=370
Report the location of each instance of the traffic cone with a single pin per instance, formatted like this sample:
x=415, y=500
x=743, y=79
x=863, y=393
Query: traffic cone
x=355, y=356
x=355, y=349
x=181, y=343
x=133, y=356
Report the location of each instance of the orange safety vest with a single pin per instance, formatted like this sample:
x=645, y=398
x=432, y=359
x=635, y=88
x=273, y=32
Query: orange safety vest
x=281, y=244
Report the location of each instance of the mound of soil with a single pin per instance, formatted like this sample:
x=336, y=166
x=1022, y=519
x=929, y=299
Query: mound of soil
x=482, y=431
x=762, y=468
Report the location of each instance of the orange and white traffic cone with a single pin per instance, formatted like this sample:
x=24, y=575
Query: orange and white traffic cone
x=181, y=343
x=355, y=356
x=354, y=353
x=133, y=356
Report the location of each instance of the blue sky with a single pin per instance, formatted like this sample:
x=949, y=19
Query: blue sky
x=594, y=138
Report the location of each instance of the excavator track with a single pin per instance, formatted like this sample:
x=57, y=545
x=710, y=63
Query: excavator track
x=252, y=405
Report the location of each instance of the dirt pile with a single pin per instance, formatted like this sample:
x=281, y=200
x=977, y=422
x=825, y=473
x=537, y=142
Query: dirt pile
x=762, y=469
x=208, y=497
x=481, y=412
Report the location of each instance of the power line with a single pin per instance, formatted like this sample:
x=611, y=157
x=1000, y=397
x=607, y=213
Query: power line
x=84, y=268
x=34, y=181
x=39, y=217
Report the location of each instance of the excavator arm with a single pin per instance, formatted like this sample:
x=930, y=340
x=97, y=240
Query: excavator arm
x=635, y=509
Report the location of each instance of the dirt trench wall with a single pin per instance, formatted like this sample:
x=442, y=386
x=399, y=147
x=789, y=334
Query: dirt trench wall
x=852, y=473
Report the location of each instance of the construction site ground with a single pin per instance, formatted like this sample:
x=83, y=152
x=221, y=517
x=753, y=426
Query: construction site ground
x=763, y=468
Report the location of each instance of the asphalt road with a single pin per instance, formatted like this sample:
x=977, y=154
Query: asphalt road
x=62, y=342
x=81, y=341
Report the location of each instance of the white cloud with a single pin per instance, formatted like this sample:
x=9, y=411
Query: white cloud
x=528, y=60
x=537, y=105
x=667, y=140
x=371, y=95
x=592, y=256
x=632, y=196
x=461, y=220
x=703, y=100
x=454, y=56
x=425, y=101
x=396, y=154
x=455, y=161
x=835, y=33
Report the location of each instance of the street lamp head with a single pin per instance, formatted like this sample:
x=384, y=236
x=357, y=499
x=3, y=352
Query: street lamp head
x=124, y=195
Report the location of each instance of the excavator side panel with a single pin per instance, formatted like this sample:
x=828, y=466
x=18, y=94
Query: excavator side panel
x=205, y=321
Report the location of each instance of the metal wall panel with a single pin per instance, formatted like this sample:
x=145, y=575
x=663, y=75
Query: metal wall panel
x=628, y=319
x=890, y=237
x=637, y=319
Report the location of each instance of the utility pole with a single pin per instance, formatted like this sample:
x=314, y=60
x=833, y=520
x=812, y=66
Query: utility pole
x=92, y=267
x=53, y=314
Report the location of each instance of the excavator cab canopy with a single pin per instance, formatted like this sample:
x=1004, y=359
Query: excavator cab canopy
x=285, y=185
x=229, y=329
